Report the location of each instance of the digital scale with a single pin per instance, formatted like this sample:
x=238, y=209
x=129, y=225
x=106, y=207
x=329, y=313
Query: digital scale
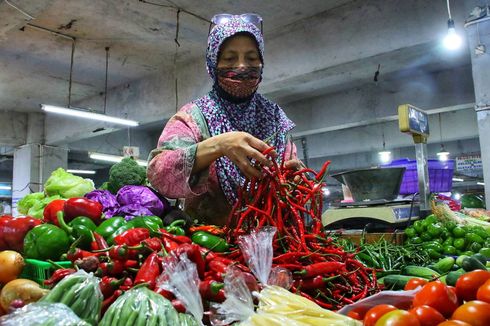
x=375, y=190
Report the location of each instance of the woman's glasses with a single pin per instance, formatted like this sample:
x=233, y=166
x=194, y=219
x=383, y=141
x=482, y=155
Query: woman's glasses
x=248, y=18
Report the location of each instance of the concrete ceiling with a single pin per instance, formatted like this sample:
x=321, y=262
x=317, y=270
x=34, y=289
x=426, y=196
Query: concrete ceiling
x=35, y=64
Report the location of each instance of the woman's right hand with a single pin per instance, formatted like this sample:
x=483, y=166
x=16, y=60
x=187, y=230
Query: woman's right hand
x=240, y=147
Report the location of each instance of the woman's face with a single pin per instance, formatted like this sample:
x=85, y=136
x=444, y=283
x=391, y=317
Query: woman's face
x=239, y=51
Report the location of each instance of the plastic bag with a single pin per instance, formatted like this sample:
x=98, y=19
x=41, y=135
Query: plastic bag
x=181, y=278
x=401, y=299
x=140, y=306
x=80, y=291
x=106, y=199
x=42, y=313
x=67, y=185
x=257, y=250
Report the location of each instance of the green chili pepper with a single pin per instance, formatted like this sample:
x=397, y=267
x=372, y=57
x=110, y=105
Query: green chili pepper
x=176, y=227
x=107, y=228
x=210, y=241
x=85, y=221
x=45, y=241
x=78, y=229
x=145, y=222
x=155, y=219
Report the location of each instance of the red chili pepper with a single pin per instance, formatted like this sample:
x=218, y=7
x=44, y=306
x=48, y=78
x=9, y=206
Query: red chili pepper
x=58, y=275
x=169, y=245
x=110, y=300
x=213, y=229
x=178, y=305
x=108, y=285
x=77, y=253
x=149, y=271
x=13, y=231
x=164, y=293
x=321, y=268
x=74, y=207
x=218, y=266
x=209, y=289
x=153, y=244
x=50, y=213
x=113, y=268
x=100, y=241
x=127, y=284
x=177, y=238
x=131, y=263
x=321, y=173
x=194, y=254
x=132, y=237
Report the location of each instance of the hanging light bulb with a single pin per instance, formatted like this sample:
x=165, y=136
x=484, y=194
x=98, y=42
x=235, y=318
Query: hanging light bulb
x=452, y=41
x=384, y=155
x=443, y=154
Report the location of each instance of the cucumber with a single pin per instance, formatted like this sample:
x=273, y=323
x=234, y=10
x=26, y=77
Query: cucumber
x=481, y=258
x=444, y=265
x=424, y=272
x=452, y=277
x=459, y=260
x=395, y=282
x=471, y=263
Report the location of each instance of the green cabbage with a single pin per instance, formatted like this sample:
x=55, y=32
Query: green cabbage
x=67, y=185
x=28, y=201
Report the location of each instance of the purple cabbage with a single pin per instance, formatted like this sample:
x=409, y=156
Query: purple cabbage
x=139, y=201
x=106, y=199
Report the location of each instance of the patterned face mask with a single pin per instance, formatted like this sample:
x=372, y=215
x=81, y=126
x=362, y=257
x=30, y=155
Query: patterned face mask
x=239, y=82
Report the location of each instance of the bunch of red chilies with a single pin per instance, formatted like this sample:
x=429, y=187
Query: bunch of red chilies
x=291, y=200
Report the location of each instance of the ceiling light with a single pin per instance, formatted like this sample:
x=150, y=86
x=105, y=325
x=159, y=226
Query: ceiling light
x=5, y=188
x=457, y=196
x=480, y=183
x=87, y=115
x=443, y=155
x=458, y=179
x=452, y=41
x=384, y=156
x=112, y=158
x=84, y=113
x=325, y=191
x=74, y=171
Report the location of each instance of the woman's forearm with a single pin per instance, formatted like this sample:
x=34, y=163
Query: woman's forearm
x=207, y=152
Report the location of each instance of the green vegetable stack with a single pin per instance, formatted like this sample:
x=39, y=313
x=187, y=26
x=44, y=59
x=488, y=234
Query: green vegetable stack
x=446, y=238
x=126, y=172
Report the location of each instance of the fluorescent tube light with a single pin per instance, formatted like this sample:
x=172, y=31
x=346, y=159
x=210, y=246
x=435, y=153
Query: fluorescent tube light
x=5, y=188
x=480, y=183
x=74, y=171
x=87, y=115
x=112, y=158
x=458, y=179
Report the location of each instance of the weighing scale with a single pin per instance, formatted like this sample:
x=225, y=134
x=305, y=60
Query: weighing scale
x=375, y=190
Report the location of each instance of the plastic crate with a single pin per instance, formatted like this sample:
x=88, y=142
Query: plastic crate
x=39, y=270
x=440, y=175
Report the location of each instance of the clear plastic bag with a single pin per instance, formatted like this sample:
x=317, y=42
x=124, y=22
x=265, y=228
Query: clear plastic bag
x=80, y=291
x=180, y=277
x=42, y=313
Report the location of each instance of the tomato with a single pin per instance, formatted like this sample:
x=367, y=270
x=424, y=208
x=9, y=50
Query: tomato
x=438, y=296
x=414, y=283
x=468, y=284
x=427, y=316
x=454, y=323
x=376, y=312
x=398, y=318
x=483, y=293
x=476, y=313
x=453, y=290
x=357, y=314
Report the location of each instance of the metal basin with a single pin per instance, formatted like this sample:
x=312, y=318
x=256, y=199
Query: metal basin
x=372, y=184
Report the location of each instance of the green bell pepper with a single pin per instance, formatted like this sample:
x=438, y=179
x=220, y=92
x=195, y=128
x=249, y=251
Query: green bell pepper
x=145, y=222
x=210, y=241
x=155, y=219
x=46, y=241
x=107, y=228
x=81, y=227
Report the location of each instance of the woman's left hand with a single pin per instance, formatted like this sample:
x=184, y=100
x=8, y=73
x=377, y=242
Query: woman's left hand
x=294, y=164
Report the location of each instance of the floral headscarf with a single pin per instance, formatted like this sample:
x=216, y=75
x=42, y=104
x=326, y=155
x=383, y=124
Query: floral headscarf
x=259, y=117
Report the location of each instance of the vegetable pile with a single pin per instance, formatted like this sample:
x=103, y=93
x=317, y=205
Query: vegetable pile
x=291, y=201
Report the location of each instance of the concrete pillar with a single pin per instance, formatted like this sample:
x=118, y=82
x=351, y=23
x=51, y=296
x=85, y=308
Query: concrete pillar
x=34, y=161
x=478, y=33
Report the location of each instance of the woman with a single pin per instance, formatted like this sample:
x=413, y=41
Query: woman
x=207, y=149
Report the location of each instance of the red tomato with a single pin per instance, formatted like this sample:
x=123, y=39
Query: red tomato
x=454, y=323
x=427, y=316
x=398, y=318
x=414, y=283
x=468, y=284
x=483, y=293
x=376, y=312
x=476, y=313
x=453, y=290
x=438, y=296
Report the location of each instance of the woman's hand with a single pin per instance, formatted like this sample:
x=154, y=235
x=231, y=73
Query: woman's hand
x=240, y=148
